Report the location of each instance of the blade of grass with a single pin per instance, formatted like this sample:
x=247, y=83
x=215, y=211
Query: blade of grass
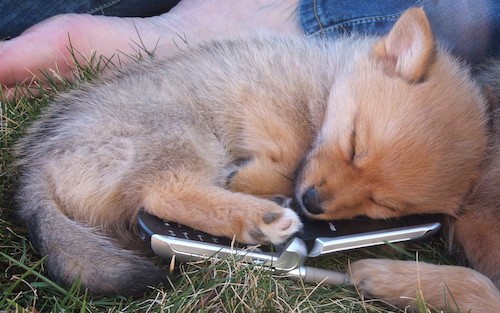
x=31, y=271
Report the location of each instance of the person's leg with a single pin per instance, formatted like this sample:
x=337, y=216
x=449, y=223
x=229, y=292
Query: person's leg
x=17, y=16
x=45, y=46
x=469, y=28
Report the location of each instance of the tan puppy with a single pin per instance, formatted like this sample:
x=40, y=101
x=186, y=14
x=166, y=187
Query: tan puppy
x=363, y=126
x=476, y=229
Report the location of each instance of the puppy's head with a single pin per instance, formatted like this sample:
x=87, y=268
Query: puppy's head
x=403, y=133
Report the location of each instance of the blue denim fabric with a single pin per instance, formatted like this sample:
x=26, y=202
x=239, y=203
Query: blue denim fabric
x=17, y=16
x=335, y=18
x=469, y=28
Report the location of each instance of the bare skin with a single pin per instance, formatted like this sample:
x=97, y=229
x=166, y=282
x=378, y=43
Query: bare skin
x=45, y=45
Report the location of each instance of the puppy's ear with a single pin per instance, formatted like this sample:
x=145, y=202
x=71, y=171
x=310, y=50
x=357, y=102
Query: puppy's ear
x=409, y=48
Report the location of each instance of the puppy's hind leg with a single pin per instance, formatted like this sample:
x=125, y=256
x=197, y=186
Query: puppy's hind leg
x=186, y=198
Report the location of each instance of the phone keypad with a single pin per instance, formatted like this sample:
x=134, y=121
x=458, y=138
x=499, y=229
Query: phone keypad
x=180, y=231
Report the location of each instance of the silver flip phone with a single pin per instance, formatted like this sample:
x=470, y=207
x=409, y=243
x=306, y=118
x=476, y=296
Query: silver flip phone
x=167, y=239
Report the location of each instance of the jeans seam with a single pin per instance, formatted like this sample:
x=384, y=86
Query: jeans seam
x=316, y=15
x=358, y=21
x=103, y=6
x=366, y=20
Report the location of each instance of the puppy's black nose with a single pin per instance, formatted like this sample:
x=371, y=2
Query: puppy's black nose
x=311, y=201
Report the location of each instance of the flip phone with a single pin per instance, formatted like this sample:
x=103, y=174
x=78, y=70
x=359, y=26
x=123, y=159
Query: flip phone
x=167, y=239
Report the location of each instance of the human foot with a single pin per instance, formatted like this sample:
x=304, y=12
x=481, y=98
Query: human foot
x=45, y=47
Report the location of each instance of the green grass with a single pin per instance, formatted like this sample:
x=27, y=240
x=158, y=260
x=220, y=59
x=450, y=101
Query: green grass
x=209, y=286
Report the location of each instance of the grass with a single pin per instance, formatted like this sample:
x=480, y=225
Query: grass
x=208, y=286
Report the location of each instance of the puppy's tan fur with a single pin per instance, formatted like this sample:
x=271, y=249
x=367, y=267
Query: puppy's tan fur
x=475, y=229
x=360, y=126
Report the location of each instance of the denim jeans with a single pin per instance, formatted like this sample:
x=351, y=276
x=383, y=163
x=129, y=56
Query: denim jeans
x=469, y=28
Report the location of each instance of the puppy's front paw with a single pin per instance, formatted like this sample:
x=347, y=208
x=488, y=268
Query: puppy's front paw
x=393, y=281
x=444, y=287
x=275, y=227
x=381, y=279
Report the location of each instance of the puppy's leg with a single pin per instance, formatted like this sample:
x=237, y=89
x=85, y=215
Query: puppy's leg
x=479, y=234
x=476, y=229
x=442, y=287
x=273, y=142
x=189, y=200
x=263, y=176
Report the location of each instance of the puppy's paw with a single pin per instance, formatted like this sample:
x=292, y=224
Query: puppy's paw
x=391, y=281
x=275, y=227
x=383, y=279
x=440, y=286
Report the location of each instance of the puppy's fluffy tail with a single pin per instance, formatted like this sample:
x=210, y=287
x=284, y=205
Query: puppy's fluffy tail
x=75, y=251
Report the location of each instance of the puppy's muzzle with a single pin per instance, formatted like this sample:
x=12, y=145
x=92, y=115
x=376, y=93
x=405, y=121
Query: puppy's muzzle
x=311, y=201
